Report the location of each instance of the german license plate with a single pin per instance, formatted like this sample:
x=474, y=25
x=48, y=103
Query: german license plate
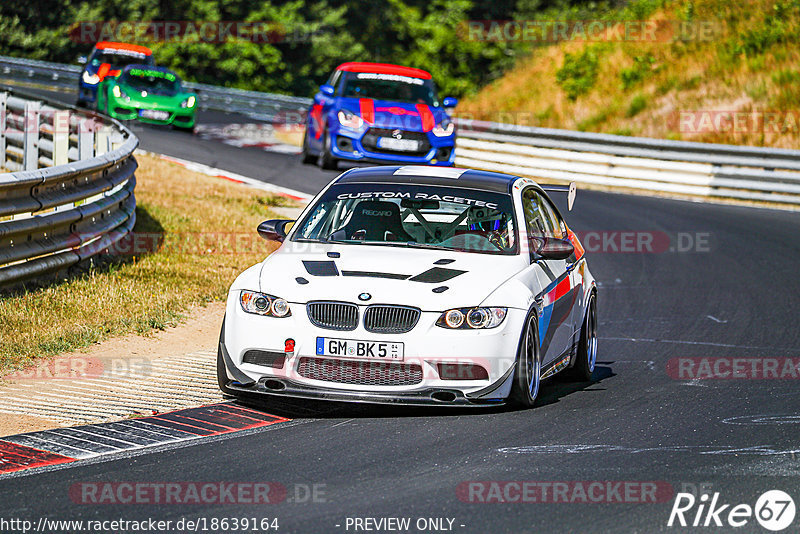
x=359, y=350
x=155, y=114
x=401, y=145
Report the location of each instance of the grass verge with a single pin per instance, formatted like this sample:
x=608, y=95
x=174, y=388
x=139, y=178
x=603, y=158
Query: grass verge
x=206, y=229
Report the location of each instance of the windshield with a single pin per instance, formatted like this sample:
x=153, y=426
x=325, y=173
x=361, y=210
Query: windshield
x=121, y=58
x=413, y=215
x=390, y=87
x=153, y=81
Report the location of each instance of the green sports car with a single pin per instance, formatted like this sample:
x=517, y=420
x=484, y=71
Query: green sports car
x=149, y=94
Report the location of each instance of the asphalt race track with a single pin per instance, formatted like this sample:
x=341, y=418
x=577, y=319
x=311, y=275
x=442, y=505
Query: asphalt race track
x=717, y=287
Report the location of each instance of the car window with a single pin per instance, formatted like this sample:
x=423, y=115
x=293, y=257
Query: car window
x=413, y=215
x=538, y=220
x=119, y=58
x=549, y=213
x=390, y=87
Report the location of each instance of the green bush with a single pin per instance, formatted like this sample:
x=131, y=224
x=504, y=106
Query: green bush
x=642, y=65
x=638, y=103
x=578, y=74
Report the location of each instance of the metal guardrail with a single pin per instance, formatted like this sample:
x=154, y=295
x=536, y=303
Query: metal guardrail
x=262, y=106
x=699, y=169
x=702, y=169
x=70, y=194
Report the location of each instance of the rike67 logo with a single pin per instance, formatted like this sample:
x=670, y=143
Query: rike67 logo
x=774, y=510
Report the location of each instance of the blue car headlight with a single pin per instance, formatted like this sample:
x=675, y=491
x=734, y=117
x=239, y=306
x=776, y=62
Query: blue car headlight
x=444, y=128
x=348, y=119
x=91, y=79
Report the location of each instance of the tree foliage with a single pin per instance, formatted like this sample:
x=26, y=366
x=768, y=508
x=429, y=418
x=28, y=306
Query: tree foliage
x=319, y=34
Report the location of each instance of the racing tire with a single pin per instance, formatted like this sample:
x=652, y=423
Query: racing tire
x=586, y=357
x=325, y=160
x=222, y=375
x=528, y=369
x=305, y=157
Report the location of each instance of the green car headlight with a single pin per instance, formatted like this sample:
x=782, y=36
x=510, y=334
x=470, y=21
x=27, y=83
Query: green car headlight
x=189, y=102
x=119, y=93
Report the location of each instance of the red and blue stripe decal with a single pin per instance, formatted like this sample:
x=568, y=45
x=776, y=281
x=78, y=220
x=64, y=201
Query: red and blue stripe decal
x=367, y=110
x=426, y=115
x=316, y=116
x=65, y=445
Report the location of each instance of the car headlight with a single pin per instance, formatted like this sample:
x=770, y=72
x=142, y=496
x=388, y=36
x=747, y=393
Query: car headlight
x=444, y=128
x=349, y=119
x=189, y=102
x=263, y=304
x=472, y=318
x=91, y=79
x=119, y=93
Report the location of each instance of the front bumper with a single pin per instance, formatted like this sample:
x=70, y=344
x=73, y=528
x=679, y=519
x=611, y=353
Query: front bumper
x=125, y=111
x=86, y=92
x=426, y=345
x=349, y=145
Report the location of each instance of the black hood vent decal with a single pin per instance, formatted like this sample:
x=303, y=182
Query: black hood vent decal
x=321, y=268
x=434, y=275
x=437, y=275
x=372, y=274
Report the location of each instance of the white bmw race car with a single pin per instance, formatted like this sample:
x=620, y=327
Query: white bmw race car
x=414, y=285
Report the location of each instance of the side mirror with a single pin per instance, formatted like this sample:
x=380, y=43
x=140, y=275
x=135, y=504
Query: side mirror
x=274, y=230
x=450, y=102
x=551, y=248
x=326, y=89
x=82, y=60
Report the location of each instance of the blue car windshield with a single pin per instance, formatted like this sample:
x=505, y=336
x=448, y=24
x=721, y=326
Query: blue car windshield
x=119, y=59
x=411, y=215
x=389, y=87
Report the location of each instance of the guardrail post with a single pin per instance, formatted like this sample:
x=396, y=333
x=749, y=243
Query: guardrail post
x=31, y=136
x=85, y=139
x=103, y=141
x=3, y=115
x=61, y=137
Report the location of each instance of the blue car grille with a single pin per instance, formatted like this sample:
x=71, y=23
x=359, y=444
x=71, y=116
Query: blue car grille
x=370, y=141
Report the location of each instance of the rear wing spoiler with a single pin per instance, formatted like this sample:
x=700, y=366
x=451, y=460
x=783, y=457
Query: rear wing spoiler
x=570, y=190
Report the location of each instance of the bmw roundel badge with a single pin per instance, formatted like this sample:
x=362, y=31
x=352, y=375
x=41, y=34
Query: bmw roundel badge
x=364, y=296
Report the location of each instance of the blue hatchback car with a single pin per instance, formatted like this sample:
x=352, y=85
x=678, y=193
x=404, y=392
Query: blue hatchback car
x=379, y=113
x=108, y=59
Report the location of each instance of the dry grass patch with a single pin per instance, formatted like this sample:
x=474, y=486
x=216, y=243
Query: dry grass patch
x=207, y=232
x=641, y=87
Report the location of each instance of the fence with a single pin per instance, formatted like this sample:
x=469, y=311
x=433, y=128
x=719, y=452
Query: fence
x=70, y=192
x=702, y=169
